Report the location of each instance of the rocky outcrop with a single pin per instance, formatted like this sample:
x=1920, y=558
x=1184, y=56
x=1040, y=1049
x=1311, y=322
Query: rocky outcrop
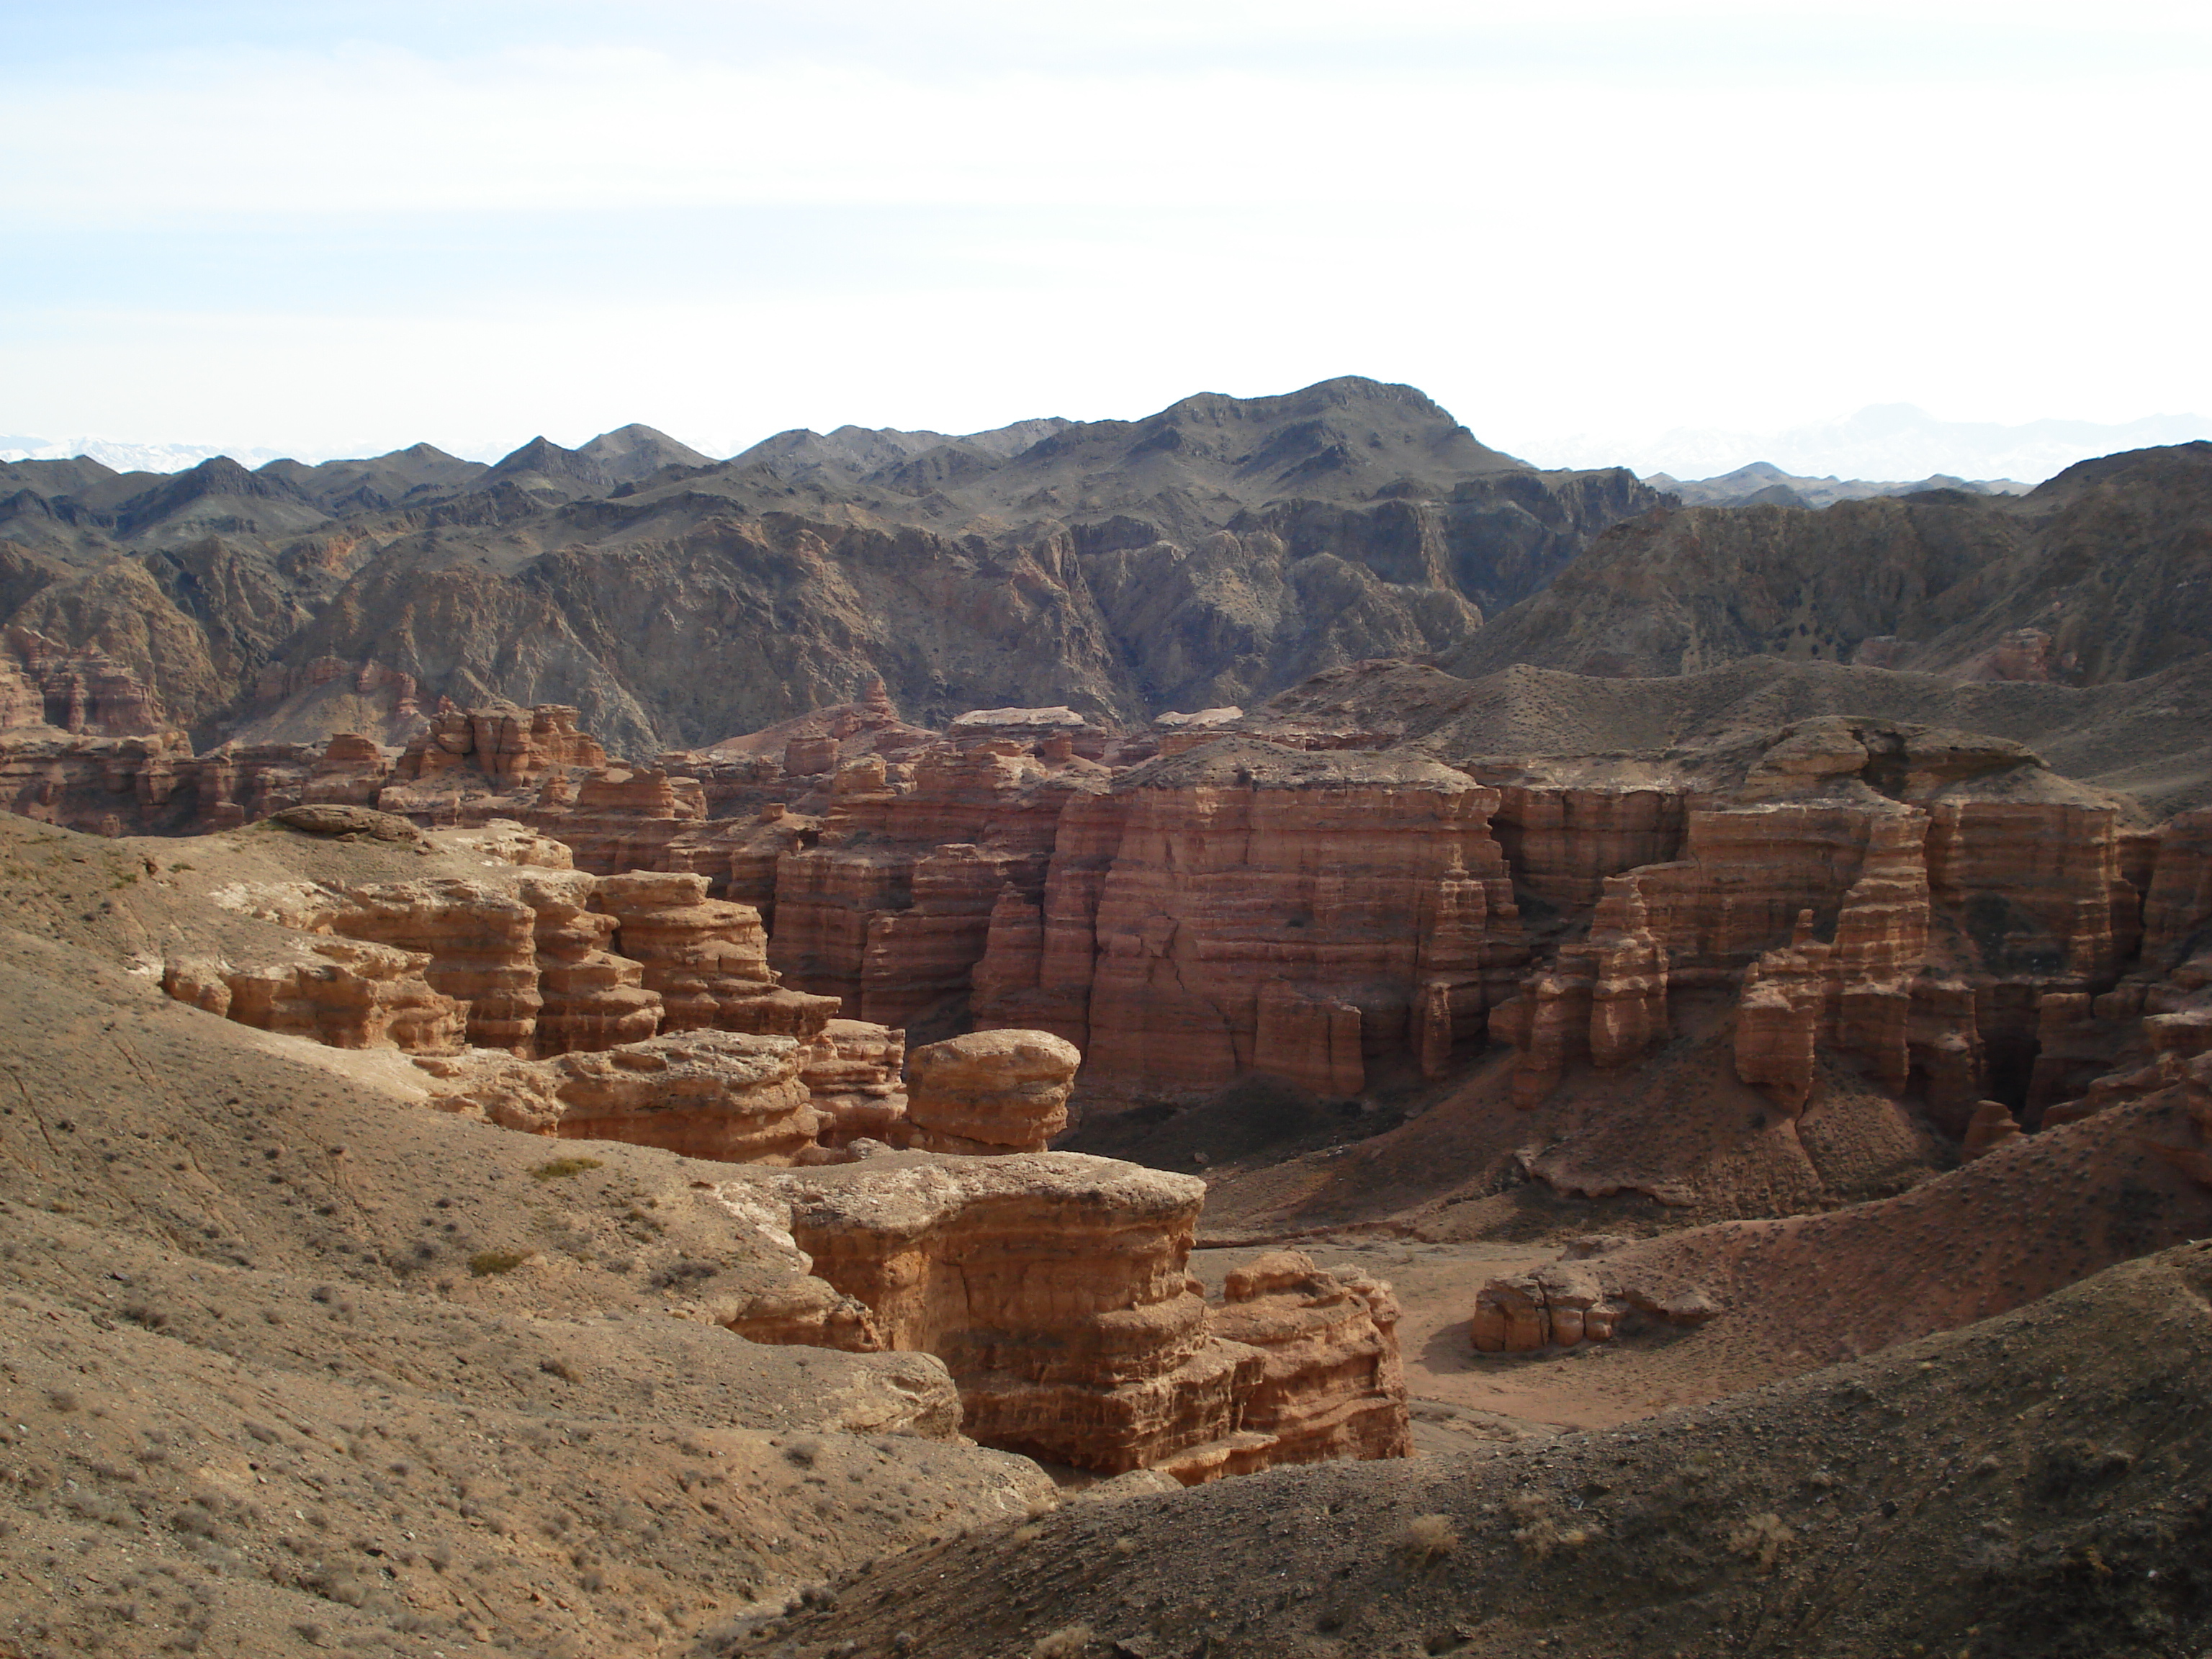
x=1054, y=1288
x=990, y=1092
x=890, y=909
x=1243, y=907
x=1562, y=842
x=541, y=960
x=508, y=747
x=854, y=1071
x=151, y=784
x=77, y=690
x=2176, y=911
x=1332, y=1385
x=592, y=997
x=342, y=992
x=618, y=818
x=1853, y=994
x=1565, y=1302
x=1604, y=1000
x=707, y=959
x=728, y=1096
x=2038, y=886
x=479, y=940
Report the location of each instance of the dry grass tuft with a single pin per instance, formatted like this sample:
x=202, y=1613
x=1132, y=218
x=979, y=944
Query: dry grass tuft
x=1429, y=1538
x=1544, y=1530
x=1763, y=1538
x=1068, y=1642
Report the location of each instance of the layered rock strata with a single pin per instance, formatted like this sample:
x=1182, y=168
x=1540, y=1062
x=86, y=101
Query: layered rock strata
x=1056, y=1288
x=853, y=1070
x=728, y=1096
x=1333, y=1385
x=479, y=941
x=707, y=959
x=542, y=961
x=1931, y=910
x=890, y=908
x=1244, y=907
x=341, y=993
x=990, y=1092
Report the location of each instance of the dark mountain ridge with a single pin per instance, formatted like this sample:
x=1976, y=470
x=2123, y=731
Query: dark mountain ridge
x=2101, y=573
x=1217, y=551
x=1212, y=552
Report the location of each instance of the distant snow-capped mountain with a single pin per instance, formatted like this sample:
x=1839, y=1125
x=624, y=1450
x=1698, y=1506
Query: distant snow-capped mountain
x=131, y=457
x=1885, y=440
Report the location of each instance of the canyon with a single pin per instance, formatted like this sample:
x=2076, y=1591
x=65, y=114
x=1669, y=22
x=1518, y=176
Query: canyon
x=1252, y=1005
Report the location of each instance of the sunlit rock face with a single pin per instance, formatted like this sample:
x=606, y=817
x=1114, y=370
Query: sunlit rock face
x=1242, y=907
x=1055, y=1288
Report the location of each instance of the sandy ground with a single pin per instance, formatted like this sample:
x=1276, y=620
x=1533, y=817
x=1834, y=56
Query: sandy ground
x=1460, y=1398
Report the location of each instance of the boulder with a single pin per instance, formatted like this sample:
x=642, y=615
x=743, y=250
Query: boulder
x=989, y=1092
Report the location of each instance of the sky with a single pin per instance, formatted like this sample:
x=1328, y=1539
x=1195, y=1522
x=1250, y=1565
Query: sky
x=330, y=228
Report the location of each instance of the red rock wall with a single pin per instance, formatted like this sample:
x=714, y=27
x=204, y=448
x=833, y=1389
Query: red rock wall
x=2177, y=907
x=1562, y=843
x=1056, y=1288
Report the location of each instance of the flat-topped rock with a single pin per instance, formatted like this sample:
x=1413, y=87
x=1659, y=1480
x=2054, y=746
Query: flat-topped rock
x=989, y=1091
x=332, y=818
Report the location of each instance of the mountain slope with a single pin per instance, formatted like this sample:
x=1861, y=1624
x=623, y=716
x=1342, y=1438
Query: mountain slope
x=1214, y=552
x=2111, y=561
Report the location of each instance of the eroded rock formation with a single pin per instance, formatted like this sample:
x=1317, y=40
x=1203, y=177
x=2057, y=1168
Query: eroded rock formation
x=707, y=959
x=728, y=1096
x=1055, y=1288
x=339, y=991
x=1243, y=907
x=989, y=1092
x=854, y=1070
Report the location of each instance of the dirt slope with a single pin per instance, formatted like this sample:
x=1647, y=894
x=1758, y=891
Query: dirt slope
x=2031, y=1484
x=289, y=1363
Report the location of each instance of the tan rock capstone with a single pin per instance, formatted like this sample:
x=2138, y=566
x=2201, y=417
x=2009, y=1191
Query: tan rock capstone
x=342, y=992
x=730, y=1095
x=989, y=1092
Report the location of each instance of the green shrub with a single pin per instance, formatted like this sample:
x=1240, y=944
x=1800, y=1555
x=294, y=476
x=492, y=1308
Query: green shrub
x=561, y=1167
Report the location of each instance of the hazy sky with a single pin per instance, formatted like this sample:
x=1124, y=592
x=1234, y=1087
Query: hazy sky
x=340, y=228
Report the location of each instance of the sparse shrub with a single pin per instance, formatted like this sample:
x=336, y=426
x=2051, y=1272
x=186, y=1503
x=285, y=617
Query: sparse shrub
x=680, y=1275
x=1543, y=1529
x=484, y=1263
x=63, y=1400
x=557, y=1368
x=1068, y=1642
x=561, y=1168
x=1763, y=1538
x=1428, y=1538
